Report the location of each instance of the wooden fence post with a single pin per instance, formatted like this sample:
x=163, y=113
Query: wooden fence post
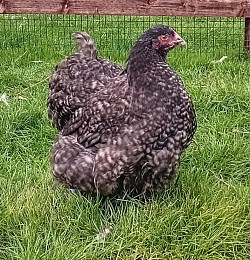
x=247, y=34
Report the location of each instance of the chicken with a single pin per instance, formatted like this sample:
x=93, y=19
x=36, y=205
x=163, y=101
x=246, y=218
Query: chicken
x=75, y=78
x=128, y=133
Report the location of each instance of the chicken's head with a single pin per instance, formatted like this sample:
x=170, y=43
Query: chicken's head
x=162, y=37
x=152, y=47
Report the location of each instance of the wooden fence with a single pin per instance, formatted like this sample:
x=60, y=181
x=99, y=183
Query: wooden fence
x=213, y=8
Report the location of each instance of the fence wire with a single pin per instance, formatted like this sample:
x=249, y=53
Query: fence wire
x=114, y=35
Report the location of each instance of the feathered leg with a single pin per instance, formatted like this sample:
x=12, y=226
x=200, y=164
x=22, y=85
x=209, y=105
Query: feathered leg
x=72, y=164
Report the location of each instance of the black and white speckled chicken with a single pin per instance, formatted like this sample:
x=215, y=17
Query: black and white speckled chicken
x=129, y=134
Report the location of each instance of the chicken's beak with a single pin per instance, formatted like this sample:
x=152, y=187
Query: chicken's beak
x=181, y=42
x=178, y=40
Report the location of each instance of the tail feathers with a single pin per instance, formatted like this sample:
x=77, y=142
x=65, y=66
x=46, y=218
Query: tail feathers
x=85, y=45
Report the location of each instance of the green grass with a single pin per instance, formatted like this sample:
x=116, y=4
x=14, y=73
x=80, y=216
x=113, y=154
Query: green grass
x=205, y=215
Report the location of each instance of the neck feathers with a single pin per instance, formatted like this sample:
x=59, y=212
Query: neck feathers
x=142, y=59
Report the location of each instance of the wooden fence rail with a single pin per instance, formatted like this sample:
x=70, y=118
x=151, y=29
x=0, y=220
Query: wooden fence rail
x=223, y=8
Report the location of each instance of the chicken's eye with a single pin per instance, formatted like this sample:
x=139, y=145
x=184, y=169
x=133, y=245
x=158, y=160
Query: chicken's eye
x=163, y=37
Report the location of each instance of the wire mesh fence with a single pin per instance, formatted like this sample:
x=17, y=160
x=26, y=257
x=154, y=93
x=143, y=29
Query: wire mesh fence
x=114, y=35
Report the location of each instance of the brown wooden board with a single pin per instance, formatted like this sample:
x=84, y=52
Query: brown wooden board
x=218, y=8
x=247, y=34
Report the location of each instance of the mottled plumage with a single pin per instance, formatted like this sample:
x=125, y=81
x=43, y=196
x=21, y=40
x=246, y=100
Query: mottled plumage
x=129, y=133
x=75, y=78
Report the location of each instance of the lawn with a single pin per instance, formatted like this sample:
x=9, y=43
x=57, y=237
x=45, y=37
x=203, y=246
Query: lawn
x=205, y=215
